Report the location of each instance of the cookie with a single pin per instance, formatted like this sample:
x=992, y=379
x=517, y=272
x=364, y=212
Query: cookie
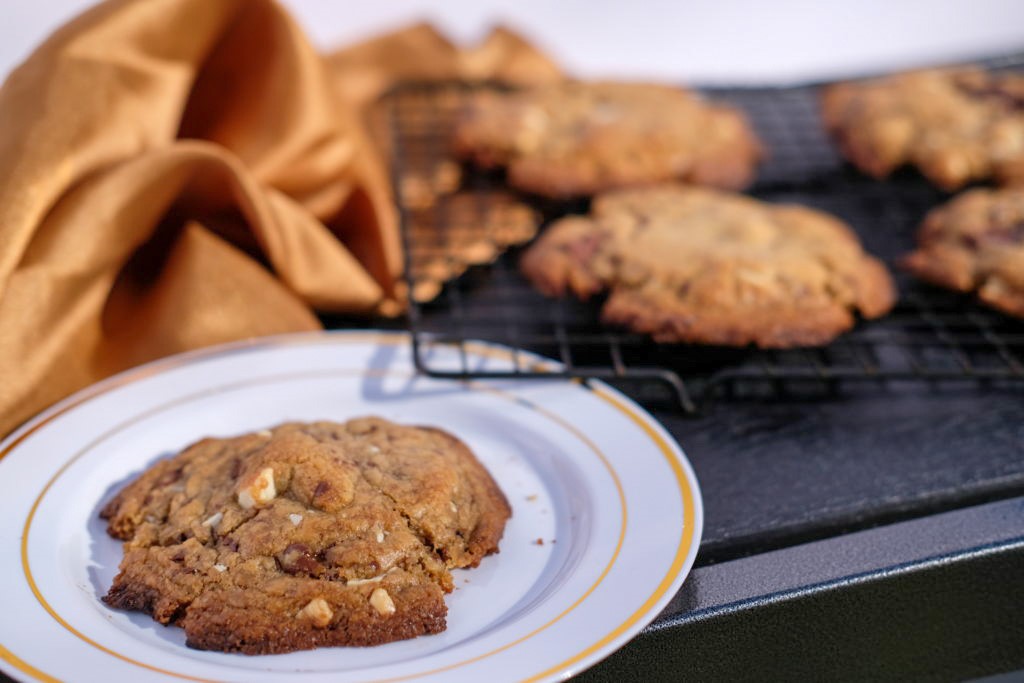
x=577, y=139
x=687, y=264
x=465, y=229
x=975, y=243
x=413, y=128
x=955, y=125
x=421, y=187
x=305, y=535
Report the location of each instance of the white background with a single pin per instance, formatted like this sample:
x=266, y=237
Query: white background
x=708, y=41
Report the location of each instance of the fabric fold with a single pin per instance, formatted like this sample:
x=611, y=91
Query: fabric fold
x=180, y=173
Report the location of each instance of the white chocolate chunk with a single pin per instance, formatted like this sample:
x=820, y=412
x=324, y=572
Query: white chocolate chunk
x=382, y=602
x=261, y=490
x=372, y=579
x=295, y=518
x=317, y=611
x=214, y=519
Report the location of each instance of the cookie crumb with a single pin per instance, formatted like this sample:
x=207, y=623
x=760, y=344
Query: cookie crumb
x=539, y=541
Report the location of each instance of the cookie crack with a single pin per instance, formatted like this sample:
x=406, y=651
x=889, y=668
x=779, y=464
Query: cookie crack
x=410, y=523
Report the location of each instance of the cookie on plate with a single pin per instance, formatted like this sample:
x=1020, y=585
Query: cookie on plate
x=577, y=139
x=975, y=243
x=955, y=125
x=305, y=535
x=699, y=265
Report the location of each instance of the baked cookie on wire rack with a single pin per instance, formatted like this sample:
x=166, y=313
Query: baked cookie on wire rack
x=468, y=228
x=956, y=126
x=577, y=139
x=689, y=264
x=975, y=243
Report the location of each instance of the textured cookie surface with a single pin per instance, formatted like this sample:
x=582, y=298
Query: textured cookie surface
x=305, y=535
x=975, y=243
x=955, y=125
x=698, y=265
x=577, y=139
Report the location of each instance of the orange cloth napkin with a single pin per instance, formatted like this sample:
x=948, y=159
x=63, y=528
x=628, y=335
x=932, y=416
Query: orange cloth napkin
x=179, y=173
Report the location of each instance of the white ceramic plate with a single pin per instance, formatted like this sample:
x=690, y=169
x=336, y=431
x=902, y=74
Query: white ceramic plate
x=606, y=513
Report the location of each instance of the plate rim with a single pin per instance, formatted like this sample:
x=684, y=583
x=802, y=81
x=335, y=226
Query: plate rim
x=690, y=493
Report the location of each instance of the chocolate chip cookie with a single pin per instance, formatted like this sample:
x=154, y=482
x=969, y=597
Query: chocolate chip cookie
x=465, y=229
x=305, y=535
x=975, y=243
x=577, y=139
x=699, y=265
x=955, y=125
x=421, y=188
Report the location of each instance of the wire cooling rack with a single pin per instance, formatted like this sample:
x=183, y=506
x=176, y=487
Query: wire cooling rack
x=462, y=235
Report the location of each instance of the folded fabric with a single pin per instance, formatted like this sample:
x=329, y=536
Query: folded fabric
x=179, y=173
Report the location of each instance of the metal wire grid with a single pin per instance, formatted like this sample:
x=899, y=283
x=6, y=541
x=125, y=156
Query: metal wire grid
x=932, y=335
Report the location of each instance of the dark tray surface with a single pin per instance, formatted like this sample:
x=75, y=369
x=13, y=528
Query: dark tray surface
x=776, y=473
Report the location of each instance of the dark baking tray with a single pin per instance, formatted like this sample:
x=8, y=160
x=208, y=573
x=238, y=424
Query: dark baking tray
x=863, y=521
